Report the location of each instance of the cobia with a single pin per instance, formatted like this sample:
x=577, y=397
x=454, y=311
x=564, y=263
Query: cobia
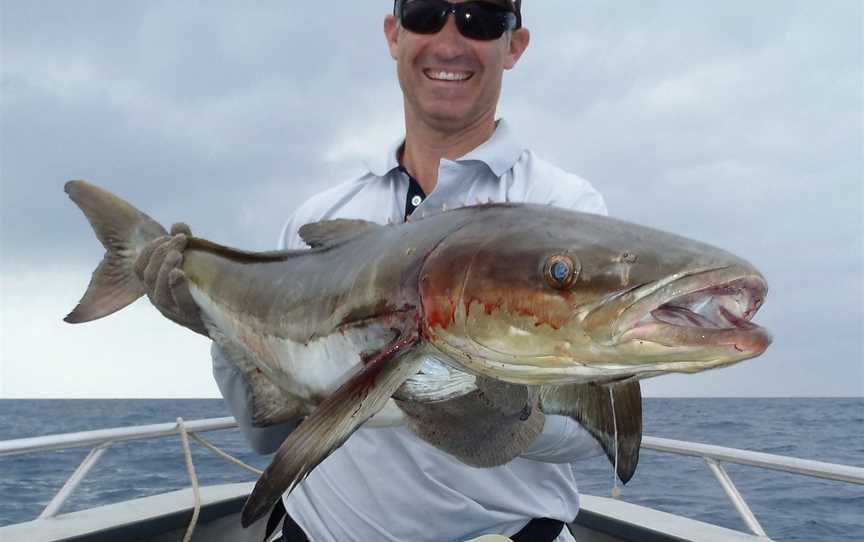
x=469, y=325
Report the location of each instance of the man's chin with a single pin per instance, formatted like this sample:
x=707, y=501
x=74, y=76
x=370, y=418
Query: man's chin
x=449, y=119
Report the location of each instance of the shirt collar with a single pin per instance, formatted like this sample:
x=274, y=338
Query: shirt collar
x=500, y=153
x=383, y=164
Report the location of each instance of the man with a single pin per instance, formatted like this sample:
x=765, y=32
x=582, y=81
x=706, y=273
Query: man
x=386, y=483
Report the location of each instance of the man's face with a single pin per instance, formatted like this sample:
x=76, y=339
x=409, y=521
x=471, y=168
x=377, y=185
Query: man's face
x=449, y=81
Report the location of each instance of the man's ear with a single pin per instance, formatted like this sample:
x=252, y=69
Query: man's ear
x=391, y=33
x=519, y=40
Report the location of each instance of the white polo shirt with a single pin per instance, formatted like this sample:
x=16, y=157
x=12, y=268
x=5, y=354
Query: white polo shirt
x=385, y=484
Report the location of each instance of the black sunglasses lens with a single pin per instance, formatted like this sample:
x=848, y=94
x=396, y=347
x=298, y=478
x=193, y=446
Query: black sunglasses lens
x=424, y=16
x=477, y=20
x=484, y=21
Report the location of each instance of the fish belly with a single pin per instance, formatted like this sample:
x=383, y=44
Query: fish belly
x=308, y=370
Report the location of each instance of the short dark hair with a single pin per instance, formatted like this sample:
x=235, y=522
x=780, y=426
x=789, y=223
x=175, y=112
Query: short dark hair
x=516, y=4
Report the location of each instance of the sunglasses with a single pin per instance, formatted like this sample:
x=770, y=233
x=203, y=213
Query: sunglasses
x=477, y=20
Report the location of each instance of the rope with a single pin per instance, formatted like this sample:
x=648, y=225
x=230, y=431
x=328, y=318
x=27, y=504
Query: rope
x=616, y=492
x=187, y=451
x=224, y=455
x=190, y=467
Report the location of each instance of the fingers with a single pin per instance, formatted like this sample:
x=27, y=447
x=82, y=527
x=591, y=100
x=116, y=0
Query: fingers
x=150, y=260
x=156, y=260
x=144, y=259
x=181, y=227
x=162, y=296
x=159, y=268
x=179, y=287
x=154, y=264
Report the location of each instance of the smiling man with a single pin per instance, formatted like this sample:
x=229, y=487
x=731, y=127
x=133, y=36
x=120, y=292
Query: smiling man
x=450, y=59
x=385, y=484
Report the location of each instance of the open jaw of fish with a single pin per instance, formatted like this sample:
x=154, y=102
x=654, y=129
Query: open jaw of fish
x=470, y=326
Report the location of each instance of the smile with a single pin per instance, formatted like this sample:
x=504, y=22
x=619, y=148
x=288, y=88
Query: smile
x=444, y=75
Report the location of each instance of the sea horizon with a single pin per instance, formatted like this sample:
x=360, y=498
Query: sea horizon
x=789, y=507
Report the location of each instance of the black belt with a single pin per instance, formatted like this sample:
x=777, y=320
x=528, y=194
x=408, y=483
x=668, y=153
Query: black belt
x=537, y=530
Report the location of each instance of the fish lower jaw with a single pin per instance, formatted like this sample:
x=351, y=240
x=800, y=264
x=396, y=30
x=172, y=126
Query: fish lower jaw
x=697, y=343
x=556, y=373
x=636, y=364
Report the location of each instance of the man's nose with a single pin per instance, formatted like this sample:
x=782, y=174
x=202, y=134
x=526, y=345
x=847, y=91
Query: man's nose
x=450, y=42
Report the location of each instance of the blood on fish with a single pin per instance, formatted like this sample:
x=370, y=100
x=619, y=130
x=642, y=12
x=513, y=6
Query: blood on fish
x=439, y=314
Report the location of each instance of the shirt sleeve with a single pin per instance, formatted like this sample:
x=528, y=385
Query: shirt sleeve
x=289, y=238
x=538, y=181
x=579, y=195
x=563, y=440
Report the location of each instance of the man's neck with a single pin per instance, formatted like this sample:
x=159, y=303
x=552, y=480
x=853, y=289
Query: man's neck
x=425, y=147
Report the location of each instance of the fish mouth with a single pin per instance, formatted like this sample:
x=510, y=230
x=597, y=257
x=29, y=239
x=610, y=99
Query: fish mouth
x=706, y=308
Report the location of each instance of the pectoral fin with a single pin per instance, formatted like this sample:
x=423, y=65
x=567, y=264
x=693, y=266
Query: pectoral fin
x=592, y=406
x=331, y=424
x=486, y=427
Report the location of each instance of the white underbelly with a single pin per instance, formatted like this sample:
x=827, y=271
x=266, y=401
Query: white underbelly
x=310, y=370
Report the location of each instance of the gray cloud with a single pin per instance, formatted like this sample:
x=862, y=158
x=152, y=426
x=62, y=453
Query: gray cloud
x=735, y=123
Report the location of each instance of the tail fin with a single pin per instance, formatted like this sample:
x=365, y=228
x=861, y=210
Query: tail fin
x=123, y=231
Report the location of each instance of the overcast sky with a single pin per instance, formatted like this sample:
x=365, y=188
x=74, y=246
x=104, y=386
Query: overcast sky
x=737, y=123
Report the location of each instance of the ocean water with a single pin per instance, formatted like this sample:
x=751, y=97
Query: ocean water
x=789, y=507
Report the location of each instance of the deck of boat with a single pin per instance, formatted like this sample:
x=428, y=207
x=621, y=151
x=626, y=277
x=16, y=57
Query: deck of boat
x=165, y=517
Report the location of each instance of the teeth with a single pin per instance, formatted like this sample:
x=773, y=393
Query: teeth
x=448, y=76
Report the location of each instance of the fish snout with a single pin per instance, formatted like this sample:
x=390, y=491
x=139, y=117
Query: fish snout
x=707, y=309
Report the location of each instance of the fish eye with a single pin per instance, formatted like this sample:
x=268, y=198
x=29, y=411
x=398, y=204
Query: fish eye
x=560, y=272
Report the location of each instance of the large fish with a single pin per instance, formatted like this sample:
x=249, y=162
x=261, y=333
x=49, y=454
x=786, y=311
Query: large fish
x=468, y=325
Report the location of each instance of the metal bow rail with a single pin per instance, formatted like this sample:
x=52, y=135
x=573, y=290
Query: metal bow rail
x=713, y=455
x=101, y=439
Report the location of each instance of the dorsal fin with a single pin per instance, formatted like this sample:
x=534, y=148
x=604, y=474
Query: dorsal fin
x=330, y=232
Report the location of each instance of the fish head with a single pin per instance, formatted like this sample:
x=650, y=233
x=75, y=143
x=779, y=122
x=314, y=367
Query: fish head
x=537, y=294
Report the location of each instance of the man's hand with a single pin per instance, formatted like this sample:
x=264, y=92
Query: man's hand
x=158, y=267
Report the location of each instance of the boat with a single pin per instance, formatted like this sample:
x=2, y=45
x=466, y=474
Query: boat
x=212, y=513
